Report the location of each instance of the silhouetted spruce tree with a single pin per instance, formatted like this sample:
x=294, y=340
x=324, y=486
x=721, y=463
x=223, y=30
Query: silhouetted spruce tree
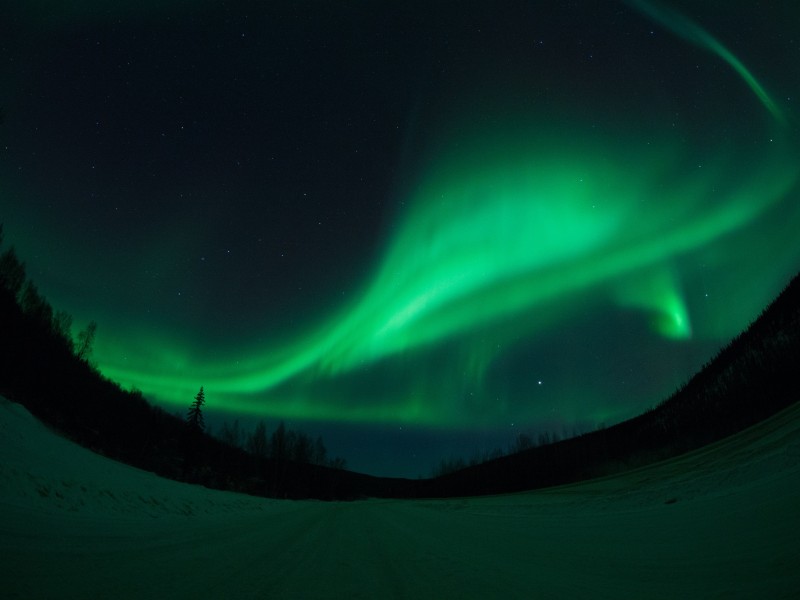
x=278, y=443
x=301, y=448
x=279, y=453
x=257, y=441
x=194, y=418
x=320, y=453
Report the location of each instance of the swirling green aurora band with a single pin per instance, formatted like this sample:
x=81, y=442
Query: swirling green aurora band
x=493, y=250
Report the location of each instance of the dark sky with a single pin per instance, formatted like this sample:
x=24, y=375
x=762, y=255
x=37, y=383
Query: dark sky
x=416, y=229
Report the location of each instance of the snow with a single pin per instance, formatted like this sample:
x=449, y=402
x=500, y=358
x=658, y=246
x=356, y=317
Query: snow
x=720, y=522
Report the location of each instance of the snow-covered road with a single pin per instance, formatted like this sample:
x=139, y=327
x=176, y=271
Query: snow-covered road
x=721, y=522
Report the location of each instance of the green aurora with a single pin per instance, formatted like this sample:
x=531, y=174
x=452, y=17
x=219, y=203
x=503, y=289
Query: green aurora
x=481, y=254
x=515, y=224
x=623, y=234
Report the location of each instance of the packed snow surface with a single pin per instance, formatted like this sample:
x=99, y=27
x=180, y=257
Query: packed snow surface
x=720, y=522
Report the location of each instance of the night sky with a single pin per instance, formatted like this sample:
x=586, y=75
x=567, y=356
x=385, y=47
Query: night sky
x=415, y=228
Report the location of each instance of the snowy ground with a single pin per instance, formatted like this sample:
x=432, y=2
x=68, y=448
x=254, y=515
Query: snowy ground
x=721, y=522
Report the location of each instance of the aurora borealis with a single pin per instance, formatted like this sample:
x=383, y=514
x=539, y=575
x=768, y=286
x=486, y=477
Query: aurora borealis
x=418, y=229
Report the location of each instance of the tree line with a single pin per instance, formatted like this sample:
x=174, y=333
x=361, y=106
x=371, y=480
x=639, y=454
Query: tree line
x=281, y=445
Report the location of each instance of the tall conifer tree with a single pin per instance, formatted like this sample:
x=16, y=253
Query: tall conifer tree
x=194, y=418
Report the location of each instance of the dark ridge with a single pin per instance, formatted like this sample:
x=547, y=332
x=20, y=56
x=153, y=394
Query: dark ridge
x=750, y=379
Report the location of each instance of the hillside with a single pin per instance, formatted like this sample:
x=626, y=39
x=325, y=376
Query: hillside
x=752, y=378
